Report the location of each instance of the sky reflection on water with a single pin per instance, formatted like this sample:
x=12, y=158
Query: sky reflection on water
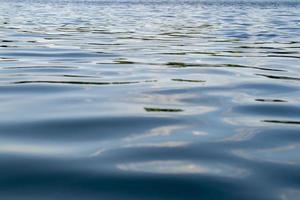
x=149, y=99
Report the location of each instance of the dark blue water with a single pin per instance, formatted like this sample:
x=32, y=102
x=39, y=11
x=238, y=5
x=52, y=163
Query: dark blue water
x=149, y=100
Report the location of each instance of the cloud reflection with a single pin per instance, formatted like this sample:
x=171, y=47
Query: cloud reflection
x=182, y=167
x=31, y=149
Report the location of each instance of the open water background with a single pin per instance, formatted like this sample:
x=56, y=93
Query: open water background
x=149, y=100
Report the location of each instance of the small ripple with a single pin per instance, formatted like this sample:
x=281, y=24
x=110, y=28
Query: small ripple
x=79, y=82
x=283, y=56
x=184, y=65
x=271, y=100
x=279, y=77
x=282, y=122
x=162, y=109
x=188, y=80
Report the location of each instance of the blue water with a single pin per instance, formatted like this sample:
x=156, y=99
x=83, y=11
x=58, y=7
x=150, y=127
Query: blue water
x=149, y=100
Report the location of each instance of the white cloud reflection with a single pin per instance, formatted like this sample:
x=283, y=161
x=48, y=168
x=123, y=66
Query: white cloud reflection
x=165, y=167
x=30, y=149
x=183, y=167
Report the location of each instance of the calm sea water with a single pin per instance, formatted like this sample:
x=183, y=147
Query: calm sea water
x=149, y=100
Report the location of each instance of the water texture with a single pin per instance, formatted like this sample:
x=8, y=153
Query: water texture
x=149, y=100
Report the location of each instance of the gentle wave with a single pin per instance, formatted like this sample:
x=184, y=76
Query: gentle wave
x=149, y=99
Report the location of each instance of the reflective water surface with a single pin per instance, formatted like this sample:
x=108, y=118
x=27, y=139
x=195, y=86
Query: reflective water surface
x=131, y=100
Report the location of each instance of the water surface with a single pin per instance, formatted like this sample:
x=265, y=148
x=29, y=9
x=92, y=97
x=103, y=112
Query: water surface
x=149, y=100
